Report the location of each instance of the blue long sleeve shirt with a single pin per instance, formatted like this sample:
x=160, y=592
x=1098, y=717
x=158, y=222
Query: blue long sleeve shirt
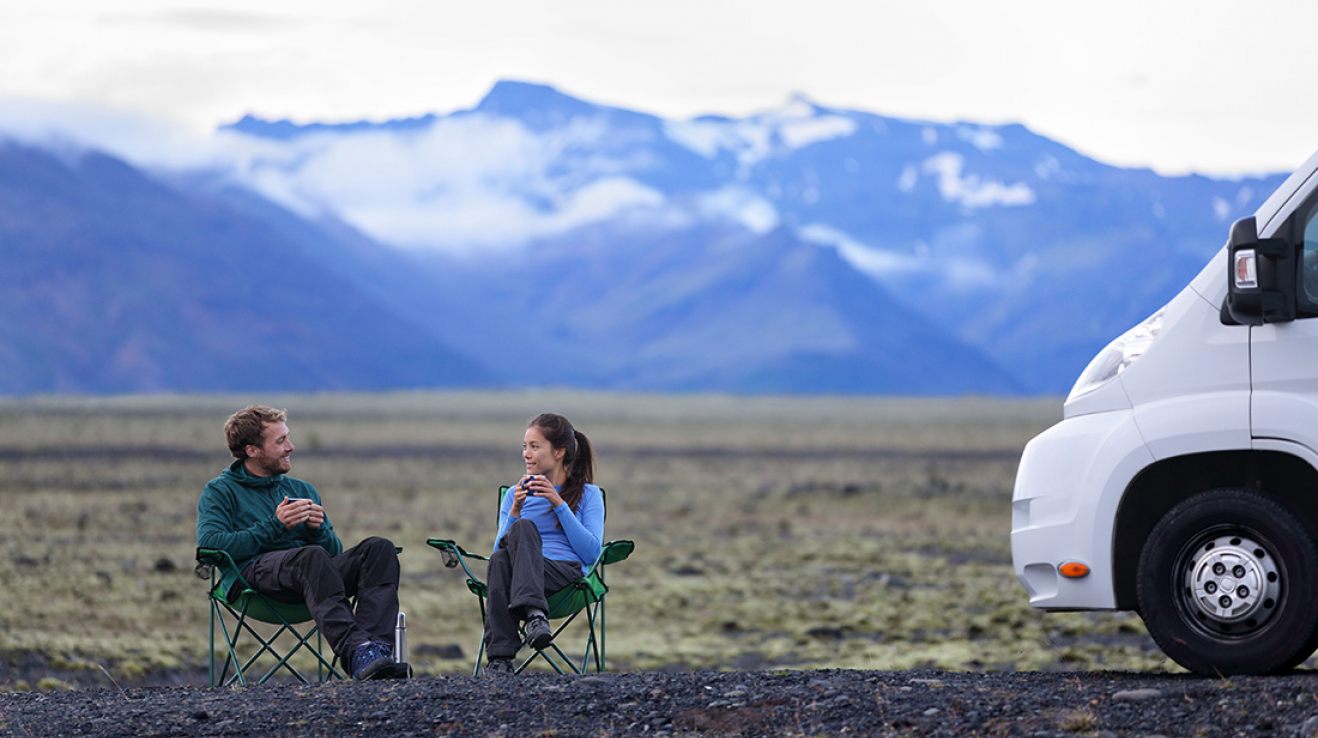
x=566, y=536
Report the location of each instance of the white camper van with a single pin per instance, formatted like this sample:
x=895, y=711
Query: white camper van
x=1183, y=480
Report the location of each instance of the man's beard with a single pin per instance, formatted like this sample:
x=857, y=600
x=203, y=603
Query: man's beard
x=277, y=465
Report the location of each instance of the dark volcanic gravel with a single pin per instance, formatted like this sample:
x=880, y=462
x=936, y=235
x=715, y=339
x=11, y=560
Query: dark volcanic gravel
x=798, y=703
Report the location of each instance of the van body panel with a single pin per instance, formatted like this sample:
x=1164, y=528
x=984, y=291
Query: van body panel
x=1286, y=383
x=1305, y=454
x=1190, y=390
x=1068, y=487
x=1210, y=284
x=1108, y=398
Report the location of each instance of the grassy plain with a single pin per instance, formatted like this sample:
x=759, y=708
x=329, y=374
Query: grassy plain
x=771, y=532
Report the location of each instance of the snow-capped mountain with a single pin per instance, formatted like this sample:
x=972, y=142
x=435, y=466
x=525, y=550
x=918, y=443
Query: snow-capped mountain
x=1016, y=244
x=803, y=249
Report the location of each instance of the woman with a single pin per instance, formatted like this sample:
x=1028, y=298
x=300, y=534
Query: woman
x=550, y=527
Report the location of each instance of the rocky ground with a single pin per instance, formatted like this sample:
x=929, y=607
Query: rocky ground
x=792, y=703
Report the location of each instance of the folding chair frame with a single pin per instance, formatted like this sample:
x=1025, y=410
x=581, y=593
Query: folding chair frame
x=249, y=605
x=585, y=595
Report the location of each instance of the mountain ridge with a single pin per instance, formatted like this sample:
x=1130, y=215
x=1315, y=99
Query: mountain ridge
x=996, y=259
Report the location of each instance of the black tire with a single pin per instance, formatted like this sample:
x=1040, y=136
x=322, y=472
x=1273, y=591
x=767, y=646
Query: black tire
x=1227, y=584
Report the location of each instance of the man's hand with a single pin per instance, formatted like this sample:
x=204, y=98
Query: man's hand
x=293, y=512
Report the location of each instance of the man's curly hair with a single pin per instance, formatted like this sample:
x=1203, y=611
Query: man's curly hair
x=246, y=427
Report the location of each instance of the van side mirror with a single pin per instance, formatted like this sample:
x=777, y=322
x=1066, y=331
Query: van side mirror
x=1260, y=278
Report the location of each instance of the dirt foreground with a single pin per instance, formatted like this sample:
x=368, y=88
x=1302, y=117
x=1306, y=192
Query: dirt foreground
x=797, y=703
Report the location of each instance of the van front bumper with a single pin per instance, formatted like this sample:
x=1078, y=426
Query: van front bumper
x=1068, y=486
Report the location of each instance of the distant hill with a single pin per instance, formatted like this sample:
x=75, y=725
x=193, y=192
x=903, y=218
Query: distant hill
x=537, y=239
x=117, y=282
x=707, y=309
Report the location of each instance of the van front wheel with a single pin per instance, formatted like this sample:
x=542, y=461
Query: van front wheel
x=1227, y=584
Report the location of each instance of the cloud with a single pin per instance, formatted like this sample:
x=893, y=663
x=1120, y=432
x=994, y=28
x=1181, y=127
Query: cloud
x=739, y=206
x=463, y=182
x=146, y=141
x=875, y=262
x=956, y=272
x=466, y=182
x=794, y=126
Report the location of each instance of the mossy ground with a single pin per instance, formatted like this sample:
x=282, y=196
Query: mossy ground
x=771, y=532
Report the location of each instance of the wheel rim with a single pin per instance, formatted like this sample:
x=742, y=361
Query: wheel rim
x=1232, y=583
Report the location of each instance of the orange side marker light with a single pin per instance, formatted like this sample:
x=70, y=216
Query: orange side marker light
x=1074, y=570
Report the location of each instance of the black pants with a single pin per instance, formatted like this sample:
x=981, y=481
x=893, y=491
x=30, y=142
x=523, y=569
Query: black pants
x=367, y=572
x=519, y=577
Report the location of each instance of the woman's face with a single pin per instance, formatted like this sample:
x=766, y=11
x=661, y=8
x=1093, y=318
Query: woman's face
x=540, y=456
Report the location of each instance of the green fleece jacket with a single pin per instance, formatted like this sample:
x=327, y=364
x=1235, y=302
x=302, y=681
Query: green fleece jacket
x=236, y=514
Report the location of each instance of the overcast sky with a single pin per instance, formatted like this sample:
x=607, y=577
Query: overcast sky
x=1211, y=86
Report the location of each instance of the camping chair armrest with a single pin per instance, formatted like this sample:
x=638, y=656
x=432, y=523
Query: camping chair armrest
x=216, y=558
x=454, y=554
x=613, y=552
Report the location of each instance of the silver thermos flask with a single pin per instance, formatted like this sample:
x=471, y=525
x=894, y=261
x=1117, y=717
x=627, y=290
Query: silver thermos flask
x=400, y=639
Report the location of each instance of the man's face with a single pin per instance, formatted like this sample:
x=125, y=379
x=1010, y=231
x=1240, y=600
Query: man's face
x=271, y=457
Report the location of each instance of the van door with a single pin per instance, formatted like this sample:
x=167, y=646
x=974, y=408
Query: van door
x=1284, y=356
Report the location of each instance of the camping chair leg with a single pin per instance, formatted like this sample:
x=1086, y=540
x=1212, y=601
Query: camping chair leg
x=549, y=660
x=303, y=641
x=325, y=671
x=599, y=652
x=283, y=660
x=210, y=654
x=214, y=615
x=324, y=668
x=231, y=656
x=265, y=647
x=480, y=651
x=593, y=646
x=480, y=654
x=553, y=663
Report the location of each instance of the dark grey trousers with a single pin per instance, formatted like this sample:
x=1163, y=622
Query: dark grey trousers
x=367, y=572
x=519, y=577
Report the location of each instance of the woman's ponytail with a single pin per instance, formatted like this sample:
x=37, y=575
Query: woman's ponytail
x=580, y=471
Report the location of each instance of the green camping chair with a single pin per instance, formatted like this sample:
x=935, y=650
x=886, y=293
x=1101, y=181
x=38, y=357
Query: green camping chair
x=586, y=595
x=248, y=605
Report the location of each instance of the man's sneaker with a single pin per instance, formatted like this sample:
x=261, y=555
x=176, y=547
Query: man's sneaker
x=372, y=660
x=499, y=668
x=538, y=633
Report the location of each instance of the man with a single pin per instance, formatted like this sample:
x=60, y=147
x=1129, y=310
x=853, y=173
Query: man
x=276, y=531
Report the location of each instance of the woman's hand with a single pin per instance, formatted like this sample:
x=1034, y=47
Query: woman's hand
x=519, y=495
x=535, y=485
x=540, y=486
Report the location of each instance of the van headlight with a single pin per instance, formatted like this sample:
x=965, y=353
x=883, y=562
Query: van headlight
x=1118, y=355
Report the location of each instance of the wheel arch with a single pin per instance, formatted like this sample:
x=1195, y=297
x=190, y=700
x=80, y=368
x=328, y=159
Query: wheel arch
x=1160, y=486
